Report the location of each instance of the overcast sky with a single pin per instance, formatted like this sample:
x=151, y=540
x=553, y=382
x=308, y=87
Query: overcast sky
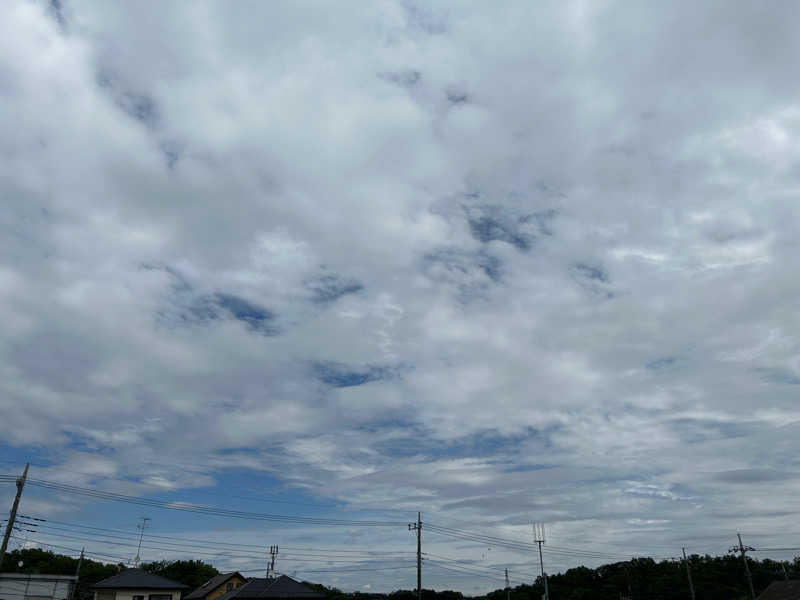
x=495, y=262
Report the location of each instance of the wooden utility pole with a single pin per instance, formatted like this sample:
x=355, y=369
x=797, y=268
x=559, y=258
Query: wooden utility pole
x=13, y=515
x=508, y=587
x=418, y=528
x=688, y=573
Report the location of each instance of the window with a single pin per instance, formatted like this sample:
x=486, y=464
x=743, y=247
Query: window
x=238, y=585
x=138, y=598
x=160, y=596
x=229, y=587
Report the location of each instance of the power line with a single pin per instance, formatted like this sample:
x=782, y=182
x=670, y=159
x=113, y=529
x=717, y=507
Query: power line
x=243, y=549
x=349, y=562
x=523, y=547
x=470, y=563
x=203, y=541
x=465, y=570
x=75, y=550
x=207, y=510
x=224, y=554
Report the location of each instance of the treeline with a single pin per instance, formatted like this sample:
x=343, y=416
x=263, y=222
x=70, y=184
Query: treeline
x=193, y=573
x=714, y=577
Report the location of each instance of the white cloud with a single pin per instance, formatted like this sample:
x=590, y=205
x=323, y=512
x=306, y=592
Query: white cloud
x=525, y=263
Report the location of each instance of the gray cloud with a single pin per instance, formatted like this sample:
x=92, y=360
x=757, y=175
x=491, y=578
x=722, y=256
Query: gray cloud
x=560, y=235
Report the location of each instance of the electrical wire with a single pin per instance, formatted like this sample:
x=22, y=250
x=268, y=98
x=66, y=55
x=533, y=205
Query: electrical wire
x=203, y=542
x=201, y=509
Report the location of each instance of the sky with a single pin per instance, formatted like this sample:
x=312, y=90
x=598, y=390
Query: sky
x=494, y=262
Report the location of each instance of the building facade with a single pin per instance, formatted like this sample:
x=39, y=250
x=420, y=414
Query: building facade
x=26, y=586
x=136, y=584
x=217, y=586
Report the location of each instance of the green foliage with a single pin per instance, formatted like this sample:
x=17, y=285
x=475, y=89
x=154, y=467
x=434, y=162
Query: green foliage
x=193, y=573
x=715, y=578
x=35, y=560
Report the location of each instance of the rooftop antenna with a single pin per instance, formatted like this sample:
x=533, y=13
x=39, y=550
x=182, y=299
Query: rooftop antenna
x=141, y=526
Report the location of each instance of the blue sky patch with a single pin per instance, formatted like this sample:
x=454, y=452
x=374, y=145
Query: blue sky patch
x=778, y=375
x=491, y=223
x=329, y=288
x=220, y=305
x=340, y=375
x=408, y=78
x=662, y=363
x=593, y=278
x=141, y=107
x=592, y=272
x=256, y=317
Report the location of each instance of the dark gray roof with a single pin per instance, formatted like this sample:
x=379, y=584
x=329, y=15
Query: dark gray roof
x=279, y=587
x=781, y=590
x=140, y=580
x=211, y=585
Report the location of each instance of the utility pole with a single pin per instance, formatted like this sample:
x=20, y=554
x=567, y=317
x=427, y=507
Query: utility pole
x=77, y=576
x=785, y=574
x=508, y=587
x=538, y=537
x=141, y=526
x=688, y=573
x=13, y=515
x=742, y=549
x=273, y=552
x=418, y=528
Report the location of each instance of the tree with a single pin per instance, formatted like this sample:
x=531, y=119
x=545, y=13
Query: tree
x=193, y=573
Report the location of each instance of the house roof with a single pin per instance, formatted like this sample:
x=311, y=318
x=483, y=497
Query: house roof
x=138, y=579
x=211, y=585
x=781, y=590
x=279, y=587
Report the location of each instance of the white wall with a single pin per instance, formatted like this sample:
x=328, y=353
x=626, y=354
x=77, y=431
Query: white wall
x=129, y=594
x=18, y=586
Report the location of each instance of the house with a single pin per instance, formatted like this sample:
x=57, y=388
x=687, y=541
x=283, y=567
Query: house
x=27, y=586
x=137, y=584
x=272, y=588
x=781, y=590
x=216, y=586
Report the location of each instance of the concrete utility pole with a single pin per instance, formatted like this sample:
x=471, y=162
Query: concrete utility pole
x=13, y=515
x=418, y=528
x=785, y=574
x=141, y=535
x=742, y=549
x=77, y=576
x=688, y=573
x=273, y=552
x=538, y=537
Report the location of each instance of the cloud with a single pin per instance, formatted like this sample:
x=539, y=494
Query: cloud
x=495, y=266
